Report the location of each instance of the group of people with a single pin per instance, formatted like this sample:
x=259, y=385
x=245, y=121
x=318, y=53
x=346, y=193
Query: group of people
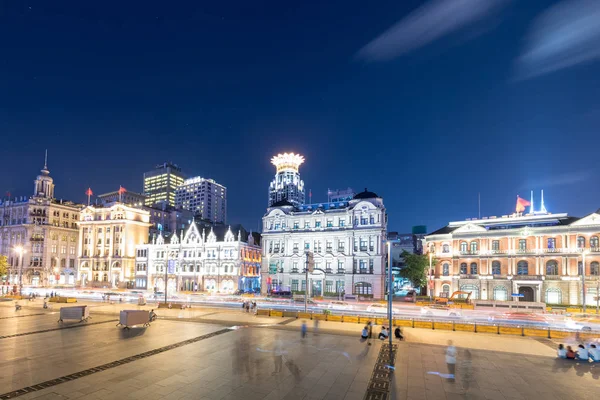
x=249, y=305
x=582, y=353
x=367, y=332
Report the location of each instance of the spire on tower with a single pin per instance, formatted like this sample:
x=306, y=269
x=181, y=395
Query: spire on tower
x=46, y=160
x=543, y=207
x=531, y=209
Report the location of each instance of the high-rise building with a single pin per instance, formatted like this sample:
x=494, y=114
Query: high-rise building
x=160, y=184
x=346, y=240
x=205, y=197
x=39, y=236
x=108, y=235
x=337, y=195
x=287, y=183
x=122, y=196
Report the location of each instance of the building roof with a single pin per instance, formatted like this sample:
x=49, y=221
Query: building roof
x=443, y=231
x=282, y=203
x=365, y=195
x=220, y=231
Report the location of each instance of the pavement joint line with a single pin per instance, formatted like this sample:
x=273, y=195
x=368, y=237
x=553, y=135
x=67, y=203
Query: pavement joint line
x=112, y=364
x=56, y=329
x=21, y=316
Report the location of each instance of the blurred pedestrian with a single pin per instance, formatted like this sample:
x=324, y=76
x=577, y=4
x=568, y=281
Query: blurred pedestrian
x=370, y=326
x=398, y=333
x=303, y=329
x=316, y=326
x=364, y=334
x=451, y=360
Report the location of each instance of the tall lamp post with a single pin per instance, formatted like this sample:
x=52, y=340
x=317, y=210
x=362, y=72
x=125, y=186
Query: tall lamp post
x=20, y=250
x=390, y=296
x=583, y=280
x=430, y=277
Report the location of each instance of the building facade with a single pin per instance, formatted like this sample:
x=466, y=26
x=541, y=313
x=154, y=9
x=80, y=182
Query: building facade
x=287, y=184
x=167, y=219
x=46, y=229
x=161, y=183
x=211, y=260
x=126, y=197
x=204, y=197
x=109, y=235
x=539, y=256
x=346, y=239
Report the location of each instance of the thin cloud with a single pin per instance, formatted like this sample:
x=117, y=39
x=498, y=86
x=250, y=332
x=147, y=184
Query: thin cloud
x=563, y=36
x=427, y=24
x=560, y=180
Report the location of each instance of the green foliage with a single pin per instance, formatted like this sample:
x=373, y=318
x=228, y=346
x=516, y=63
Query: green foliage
x=3, y=265
x=415, y=269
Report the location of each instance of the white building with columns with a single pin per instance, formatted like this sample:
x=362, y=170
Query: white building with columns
x=109, y=235
x=347, y=240
x=210, y=260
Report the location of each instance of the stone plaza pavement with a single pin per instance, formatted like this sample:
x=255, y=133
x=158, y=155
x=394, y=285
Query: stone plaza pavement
x=266, y=359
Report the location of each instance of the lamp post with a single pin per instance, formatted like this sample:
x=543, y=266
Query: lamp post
x=390, y=297
x=583, y=281
x=430, y=277
x=20, y=250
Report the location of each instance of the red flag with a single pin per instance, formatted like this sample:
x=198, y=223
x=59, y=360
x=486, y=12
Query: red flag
x=89, y=192
x=122, y=189
x=8, y=194
x=521, y=204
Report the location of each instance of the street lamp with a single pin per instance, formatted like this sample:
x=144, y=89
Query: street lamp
x=583, y=254
x=390, y=297
x=20, y=250
x=430, y=277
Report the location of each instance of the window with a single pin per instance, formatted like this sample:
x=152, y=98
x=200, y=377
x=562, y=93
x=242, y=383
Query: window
x=500, y=293
x=329, y=225
x=432, y=248
x=473, y=247
x=594, y=268
x=580, y=242
x=522, y=244
x=328, y=286
x=339, y=286
x=340, y=267
x=363, y=288
x=317, y=223
x=522, y=268
x=445, y=248
x=473, y=268
x=446, y=290
x=294, y=285
x=306, y=225
x=551, y=268
x=463, y=247
x=463, y=268
x=579, y=268
x=594, y=242
x=471, y=288
x=495, y=267
x=296, y=224
x=553, y=296
x=495, y=245
x=446, y=269
x=342, y=222
x=551, y=243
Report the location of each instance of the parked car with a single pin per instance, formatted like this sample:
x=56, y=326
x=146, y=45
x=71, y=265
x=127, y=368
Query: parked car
x=411, y=296
x=380, y=308
x=440, y=311
x=340, y=305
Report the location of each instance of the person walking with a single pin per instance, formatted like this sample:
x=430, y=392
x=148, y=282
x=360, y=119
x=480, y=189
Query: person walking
x=303, y=329
x=370, y=326
x=316, y=326
x=451, y=360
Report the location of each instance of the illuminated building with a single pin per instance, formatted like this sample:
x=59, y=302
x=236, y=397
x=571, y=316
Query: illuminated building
x=160, y=184
x=108, y=235
x=538, y=255
x=125, y=197
x=287, y=183
x=200, y=259
x=46, y=228
x=204, y=197
x=347, y=240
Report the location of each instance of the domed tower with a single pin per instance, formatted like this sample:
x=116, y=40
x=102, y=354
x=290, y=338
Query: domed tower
x=44, y=184
x=287, y=183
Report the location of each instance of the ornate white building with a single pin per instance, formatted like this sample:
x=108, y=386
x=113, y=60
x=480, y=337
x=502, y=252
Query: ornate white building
x=108, y=236
x=46, y=229
x=212, y=260
x=347, y=240
x=287, y=183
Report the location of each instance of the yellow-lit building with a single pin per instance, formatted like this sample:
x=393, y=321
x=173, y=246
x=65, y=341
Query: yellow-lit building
x=160, y=184
x=108, y=236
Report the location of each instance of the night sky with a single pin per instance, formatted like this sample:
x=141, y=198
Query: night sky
x=425, y=103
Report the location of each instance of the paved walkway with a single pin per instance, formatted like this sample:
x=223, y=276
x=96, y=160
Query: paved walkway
x=245, y=362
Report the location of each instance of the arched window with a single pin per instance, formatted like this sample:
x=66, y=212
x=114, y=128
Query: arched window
x=463, y=247
x=522, y=268
x=471, y=288
x=500, y=293
x=445, y=248
x=594, y=242
x=551, y=268
x=446, y=290
x=432, y=248
x=446, y=269
x=495, y=267
x=594, y=268
x=553, y=296
x=579, y=268
x=473, y=268
x=580, y=242
x=473, y=247
x=363, y=288
x=463, y=268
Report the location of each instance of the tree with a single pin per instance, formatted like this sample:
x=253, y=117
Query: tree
x=415, y=268
x=3, y=265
